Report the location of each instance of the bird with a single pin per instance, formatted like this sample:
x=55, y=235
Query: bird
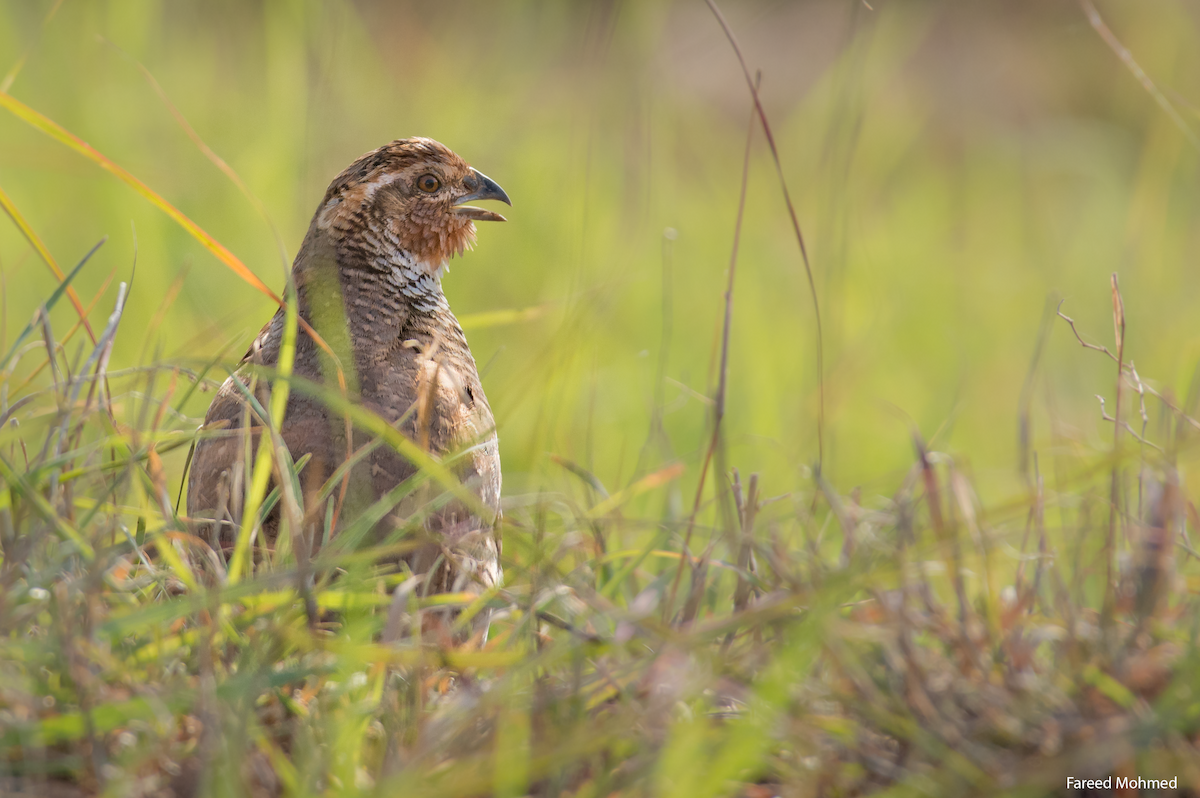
x=374, y=323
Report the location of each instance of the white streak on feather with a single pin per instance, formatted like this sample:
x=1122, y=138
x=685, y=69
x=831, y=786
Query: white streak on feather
x=417, y=281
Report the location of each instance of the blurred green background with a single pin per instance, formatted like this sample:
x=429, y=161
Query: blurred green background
x=954, y=166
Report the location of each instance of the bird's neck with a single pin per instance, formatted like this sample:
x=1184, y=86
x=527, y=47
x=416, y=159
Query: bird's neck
x=419, y=283
x=378, y=262
x=393, y=291
x=383, y=287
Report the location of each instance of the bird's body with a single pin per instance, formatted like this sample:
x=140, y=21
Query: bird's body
x=368, y=278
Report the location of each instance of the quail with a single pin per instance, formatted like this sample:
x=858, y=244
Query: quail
x=368, y=284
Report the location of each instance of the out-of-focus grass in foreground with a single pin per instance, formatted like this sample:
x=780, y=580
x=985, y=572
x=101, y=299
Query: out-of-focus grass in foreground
x=1011, y=605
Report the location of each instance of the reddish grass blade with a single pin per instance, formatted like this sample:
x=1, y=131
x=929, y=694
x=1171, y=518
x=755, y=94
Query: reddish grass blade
x=63, y=136
x=9, y=208
x=208, y=152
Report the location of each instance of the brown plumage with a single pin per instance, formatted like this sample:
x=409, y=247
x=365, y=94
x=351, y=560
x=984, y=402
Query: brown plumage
x=368, y=277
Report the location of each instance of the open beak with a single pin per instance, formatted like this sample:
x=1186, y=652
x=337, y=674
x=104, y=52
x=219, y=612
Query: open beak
x=482, y=188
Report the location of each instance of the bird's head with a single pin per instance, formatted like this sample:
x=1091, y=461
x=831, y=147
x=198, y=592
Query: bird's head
x=412, y=193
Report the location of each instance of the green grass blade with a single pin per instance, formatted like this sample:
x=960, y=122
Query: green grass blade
x=50, y=303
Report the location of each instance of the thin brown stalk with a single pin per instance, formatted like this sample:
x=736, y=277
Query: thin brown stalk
x=1024, y=404
x=745, y=561
x=1126, y=57
x=1104, y=416
x=51, y=350
x=947, y=537
x=657, y=433
x=1042, y=550
x=719, y=399
x=1129, y=374
x=1115, y=486
x=845, y=522
x=787, y=198
x=1035, y=509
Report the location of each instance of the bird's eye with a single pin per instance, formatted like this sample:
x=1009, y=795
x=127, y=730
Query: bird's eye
x=428, y=183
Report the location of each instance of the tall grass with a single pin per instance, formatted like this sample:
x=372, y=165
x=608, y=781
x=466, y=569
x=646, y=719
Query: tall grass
x=818, y=645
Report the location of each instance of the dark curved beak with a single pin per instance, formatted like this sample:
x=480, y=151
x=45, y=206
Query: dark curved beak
x=481, y=187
